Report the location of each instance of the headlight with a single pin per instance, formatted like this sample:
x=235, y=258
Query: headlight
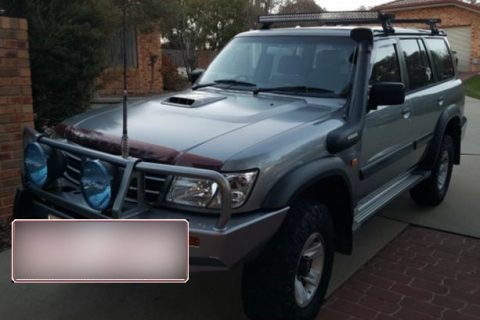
x=205, y=193
x=96, y=184
x=35, y=162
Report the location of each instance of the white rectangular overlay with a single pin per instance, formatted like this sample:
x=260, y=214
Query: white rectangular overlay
x=107, y=251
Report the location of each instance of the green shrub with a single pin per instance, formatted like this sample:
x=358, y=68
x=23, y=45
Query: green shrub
x=67, y=42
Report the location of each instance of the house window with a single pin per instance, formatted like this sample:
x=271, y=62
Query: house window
x=115, y=50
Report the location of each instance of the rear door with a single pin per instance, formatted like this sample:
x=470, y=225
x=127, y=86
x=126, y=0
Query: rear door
x=432, y=86
x=422, y=96
x=385, y=138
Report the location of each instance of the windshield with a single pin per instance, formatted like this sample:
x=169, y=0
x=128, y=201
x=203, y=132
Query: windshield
x=319, y=65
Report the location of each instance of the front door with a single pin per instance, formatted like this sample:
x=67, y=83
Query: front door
x=386, y=141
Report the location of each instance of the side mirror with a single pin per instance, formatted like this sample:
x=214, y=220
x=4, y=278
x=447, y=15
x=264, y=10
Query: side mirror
x=196, y=74
x=386, y=93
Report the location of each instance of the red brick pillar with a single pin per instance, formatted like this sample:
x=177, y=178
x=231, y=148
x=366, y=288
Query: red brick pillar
x=15, y=106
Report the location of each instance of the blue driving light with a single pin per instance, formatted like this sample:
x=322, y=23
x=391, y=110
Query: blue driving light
x=95, y=183
x=35, y=163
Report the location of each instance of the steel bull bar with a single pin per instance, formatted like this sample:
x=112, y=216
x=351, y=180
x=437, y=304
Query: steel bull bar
x=134, y=168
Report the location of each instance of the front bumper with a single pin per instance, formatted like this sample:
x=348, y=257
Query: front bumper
x=213, y=249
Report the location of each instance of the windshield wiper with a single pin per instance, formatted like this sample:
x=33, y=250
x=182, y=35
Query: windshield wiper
x=294, y=89
x=225, y=81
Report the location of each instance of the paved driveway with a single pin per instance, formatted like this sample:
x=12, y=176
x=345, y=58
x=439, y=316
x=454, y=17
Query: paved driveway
x=423, y=274
x=217, y=295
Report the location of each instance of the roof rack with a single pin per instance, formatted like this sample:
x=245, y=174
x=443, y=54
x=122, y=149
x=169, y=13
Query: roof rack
x=346, y=18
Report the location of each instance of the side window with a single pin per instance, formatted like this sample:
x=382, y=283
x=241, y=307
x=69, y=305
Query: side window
x=441, y=58
x=385, y=65
x=418, y=68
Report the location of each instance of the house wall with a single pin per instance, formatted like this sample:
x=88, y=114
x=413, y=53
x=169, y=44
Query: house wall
x=451, y=16
x=15, y=106
x=205, y=58
x=141, y=80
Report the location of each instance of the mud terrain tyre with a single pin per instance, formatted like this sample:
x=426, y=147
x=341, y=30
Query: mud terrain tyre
x=290, y=277
x=433, y=190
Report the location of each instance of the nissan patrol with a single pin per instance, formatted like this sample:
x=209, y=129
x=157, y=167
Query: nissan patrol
x=286, y=144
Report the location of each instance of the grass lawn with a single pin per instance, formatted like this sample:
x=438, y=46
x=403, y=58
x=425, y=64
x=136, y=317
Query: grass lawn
x=472, y=87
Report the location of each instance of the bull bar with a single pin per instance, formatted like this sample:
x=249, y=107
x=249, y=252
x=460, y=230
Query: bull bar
x=135, y=168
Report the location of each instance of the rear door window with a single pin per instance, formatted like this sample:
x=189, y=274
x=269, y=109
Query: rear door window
x=418, y=67
x=385, y=65
x=442, y=60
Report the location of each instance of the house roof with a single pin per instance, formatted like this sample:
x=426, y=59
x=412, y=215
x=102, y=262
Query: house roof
x=407, y=4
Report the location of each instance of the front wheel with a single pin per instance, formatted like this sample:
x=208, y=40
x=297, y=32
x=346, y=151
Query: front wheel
x=433, y=190
x=290, y=278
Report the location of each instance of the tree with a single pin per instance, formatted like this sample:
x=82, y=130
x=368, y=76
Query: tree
x=221, y=20
x=260, y=7
x=299, y=6
x=193, y=25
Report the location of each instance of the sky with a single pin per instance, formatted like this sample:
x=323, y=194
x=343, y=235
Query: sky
x=341, y=5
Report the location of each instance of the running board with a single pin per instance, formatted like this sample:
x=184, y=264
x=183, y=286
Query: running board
x=372, y=203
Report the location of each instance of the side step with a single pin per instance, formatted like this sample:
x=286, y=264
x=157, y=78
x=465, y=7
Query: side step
x=378, y=199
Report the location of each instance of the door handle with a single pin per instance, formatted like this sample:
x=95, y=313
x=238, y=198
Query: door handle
x=406, y=112
x=440, y=102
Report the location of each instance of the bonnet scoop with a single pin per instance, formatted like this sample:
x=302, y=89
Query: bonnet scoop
x=193, y=99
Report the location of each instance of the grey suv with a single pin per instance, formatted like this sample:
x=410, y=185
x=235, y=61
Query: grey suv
x=289, y=142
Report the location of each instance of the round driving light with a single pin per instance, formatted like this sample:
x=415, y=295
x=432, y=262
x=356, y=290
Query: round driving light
x=35, y=162
x=96, y=185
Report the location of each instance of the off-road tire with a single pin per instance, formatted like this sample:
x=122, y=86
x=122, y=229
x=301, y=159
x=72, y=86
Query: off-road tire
x=268, y=281
x=429, y=192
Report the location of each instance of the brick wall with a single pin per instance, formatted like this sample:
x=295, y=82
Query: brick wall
x=451, y=17
x=141, y=81
x=15, y=106
x=205, y=58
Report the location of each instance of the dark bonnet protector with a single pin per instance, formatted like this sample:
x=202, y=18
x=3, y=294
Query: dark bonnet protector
x=145, y=151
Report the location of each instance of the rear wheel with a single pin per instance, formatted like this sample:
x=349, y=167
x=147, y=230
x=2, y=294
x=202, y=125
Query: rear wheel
x=290, y=278
x=433, y=190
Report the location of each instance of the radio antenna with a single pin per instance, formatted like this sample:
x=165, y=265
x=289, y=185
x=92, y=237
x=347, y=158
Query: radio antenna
x=124, y=142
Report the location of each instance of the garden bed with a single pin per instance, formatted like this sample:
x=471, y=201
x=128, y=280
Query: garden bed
x=5, y=236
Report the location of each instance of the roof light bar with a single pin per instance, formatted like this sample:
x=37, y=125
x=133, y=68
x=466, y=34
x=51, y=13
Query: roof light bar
x=329, y=18
x=345, y=18
x=320, y=17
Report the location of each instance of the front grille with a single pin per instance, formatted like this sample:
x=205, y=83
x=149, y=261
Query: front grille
x=154, y=188
x=73, y=165
x=154, y=184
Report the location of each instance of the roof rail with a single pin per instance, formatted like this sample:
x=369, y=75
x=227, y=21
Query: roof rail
x=346, y=18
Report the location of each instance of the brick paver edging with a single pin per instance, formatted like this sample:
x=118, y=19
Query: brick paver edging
x=422, y=274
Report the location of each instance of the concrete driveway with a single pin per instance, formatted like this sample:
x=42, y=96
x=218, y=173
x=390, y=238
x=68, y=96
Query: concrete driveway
x=460, y=213
x=217, y=295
